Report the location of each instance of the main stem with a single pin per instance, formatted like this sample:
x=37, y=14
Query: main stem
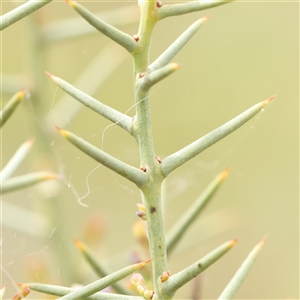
x=143, y=132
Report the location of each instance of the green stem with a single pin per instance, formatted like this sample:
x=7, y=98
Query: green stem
x=142, y=130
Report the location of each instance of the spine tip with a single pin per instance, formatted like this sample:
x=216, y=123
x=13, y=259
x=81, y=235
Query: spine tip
x=78, y=244
x=50, y=176
x=31, y=141
x=50, y=75
x=225, y=173
x=176, y=66
x=206, y=18
x=71, y=3
x=143, y=263
x=261, y=243
x=61, y=131
x=266, y=102
x=233, y=242
x=21, y=94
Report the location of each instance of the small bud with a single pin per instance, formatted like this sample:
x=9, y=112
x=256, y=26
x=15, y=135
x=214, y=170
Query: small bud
x=151, y=294
x=144, y=169
x=148, y=295
x=159, y=4
x=142, y=215
x=140, y=289
x=137, y=278
x=158, y=159
x=136, y=37
x=165, y=276
x=141, y=75
x=141, y=207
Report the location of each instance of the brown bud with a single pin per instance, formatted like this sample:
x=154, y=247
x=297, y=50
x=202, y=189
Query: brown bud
x=165, y=276
x=144, y=169
x=136, y=37
x=142, y=215
x=158, y=159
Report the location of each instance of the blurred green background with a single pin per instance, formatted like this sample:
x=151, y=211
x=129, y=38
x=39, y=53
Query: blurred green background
x=245, y=53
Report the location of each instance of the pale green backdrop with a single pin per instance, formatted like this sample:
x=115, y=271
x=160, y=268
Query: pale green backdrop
x=245, y=53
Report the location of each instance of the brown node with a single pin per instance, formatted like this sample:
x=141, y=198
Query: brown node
x=136, y=37
x=152, y=209
x=158, y=159
x=159, y=4
x=142, y=74
x=144, y=169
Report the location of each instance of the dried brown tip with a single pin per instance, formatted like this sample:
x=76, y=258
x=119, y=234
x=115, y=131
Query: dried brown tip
x=50, y=176
x=78, y=244
x=261, y=243
x=50, y=75
x=147, y=261
x=71, y=3
x=266, y=102
x=21, y=94
x=61, y=131
x=140, y=265
x=175, y=66
x=30, y=141
x=233, y=242
x=225, y=173
x=206, y=18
